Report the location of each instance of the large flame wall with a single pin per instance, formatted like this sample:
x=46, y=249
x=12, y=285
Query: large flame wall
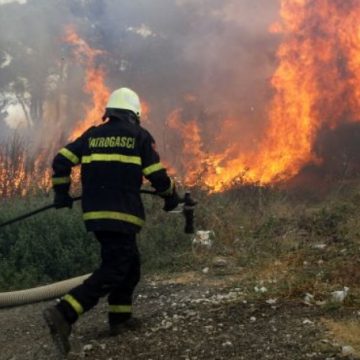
x=219, y=132
x=316, y=85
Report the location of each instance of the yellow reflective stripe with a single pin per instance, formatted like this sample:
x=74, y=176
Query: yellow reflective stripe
x=112, y=157
x=170, y=190
x=153, y=168
x=74, y=304
x=69, y=155
x=120, y=309
x=61, y=180
x=113, y=215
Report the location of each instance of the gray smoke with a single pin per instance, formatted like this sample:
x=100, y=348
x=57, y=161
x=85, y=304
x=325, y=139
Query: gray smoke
x=219, y=54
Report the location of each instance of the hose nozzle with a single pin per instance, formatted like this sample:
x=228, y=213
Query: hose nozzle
x=189, y=207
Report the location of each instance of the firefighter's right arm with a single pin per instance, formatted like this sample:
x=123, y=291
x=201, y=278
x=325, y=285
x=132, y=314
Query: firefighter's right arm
x=67, y=157
x=155, y=172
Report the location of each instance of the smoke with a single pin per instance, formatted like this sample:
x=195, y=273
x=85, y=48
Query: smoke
x=211, y=59
x=275, y=101
x=4, y=2
x=219, y=55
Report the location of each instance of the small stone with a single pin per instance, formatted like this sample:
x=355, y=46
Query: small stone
x=271, y=301
x=253, y=319
x=219, y=262
x=205, y=270
x=166, y=324
x=308, y=299
x=347, y=350
x=262, y=289
x=319, y=246
x=209, y=328
x=88, y=347
x=227, y=343
x=340, y=295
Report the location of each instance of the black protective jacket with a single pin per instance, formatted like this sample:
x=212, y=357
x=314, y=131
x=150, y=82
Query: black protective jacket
x=114, y=157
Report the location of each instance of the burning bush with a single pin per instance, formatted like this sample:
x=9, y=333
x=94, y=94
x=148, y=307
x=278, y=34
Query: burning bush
x=20, y=172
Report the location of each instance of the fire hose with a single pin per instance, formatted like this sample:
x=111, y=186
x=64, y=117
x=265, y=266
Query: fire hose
x=55, y=290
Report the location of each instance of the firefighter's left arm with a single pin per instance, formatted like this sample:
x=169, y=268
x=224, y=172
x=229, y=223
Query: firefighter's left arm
x=67, y=157
x=154, y=170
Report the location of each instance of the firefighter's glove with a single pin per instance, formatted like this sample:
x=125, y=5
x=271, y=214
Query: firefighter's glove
x=62, y=200
x=171, y=201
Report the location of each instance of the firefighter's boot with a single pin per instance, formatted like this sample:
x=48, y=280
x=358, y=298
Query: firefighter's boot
x=132, y=324
x=60, y=329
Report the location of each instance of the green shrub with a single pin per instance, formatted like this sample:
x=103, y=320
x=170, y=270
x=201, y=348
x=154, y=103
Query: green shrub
x=268, y=232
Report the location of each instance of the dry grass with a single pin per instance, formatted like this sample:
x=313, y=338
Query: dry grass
x=345, y=332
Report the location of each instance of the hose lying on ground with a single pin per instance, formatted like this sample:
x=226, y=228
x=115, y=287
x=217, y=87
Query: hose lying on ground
x=41, y=293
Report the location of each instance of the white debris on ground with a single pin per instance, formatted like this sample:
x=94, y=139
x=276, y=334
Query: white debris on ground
x=309, y=299
x=213, y=322
x=347, y=350
x=271, y=301
x=217, y=299
x=203, y=241
x=340, y=295
x=219, y=262
x=88, y=347
x=261, y=289
x=337, y=296
x=319, y=246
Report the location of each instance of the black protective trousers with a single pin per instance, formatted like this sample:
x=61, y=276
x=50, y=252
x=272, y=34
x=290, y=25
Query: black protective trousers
x=117, y=277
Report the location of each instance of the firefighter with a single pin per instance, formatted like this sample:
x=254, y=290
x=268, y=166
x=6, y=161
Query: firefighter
x=114, y=157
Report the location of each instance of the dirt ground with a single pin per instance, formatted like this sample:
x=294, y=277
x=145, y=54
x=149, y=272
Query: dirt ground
x=183, y=318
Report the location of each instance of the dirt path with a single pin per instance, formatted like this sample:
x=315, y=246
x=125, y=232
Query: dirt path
x=193, y=320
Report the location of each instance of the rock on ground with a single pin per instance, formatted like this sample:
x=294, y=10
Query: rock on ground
x=194, y=321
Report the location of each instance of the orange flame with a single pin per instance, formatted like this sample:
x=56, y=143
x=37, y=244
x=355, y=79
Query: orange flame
x=316, y=84
x=20, y=174
x=94, y=82
x=145, y=111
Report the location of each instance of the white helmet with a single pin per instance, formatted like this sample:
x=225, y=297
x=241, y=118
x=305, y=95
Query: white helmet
x=125, y=99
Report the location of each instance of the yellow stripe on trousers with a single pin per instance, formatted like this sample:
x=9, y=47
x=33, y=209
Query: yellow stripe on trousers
x=113, y=215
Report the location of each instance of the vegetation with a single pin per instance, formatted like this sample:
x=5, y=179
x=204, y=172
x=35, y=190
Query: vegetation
x=270, y=238
x=290, y=246
x=54, y=245
x=287, y=244
x=46, y=247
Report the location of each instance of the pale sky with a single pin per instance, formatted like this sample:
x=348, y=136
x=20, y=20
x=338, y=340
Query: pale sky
x=3, y=2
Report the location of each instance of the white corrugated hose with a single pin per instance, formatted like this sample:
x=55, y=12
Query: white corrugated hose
x=41, y=293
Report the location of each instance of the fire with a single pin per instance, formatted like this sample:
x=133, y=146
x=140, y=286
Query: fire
x=145, y=111
x=197, y=165
x=316, y=85
x=192, y=154
x=94, y=82
x=20, y=173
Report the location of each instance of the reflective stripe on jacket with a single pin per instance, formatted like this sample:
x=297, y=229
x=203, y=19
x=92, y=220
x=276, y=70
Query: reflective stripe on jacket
x=114, y=157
